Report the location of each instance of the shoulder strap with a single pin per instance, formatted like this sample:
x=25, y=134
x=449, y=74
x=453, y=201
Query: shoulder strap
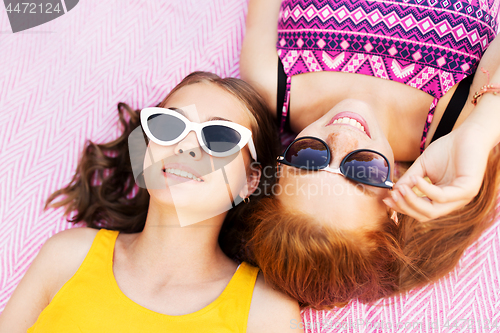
x=243, y=280
x=283, y=90
x=100, y=255
x=280, y=101
x=454, y=108
x=238, y=293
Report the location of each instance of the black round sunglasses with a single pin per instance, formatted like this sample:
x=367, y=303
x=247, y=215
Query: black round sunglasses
x=365, y=166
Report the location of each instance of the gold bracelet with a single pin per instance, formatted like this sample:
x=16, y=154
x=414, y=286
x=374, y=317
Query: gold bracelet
x=492, y=88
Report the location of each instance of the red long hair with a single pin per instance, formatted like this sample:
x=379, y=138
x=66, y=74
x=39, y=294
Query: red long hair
x=322, y=267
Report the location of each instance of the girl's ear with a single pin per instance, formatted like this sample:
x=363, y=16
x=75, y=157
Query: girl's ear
x=253, y=179
x=394, y=216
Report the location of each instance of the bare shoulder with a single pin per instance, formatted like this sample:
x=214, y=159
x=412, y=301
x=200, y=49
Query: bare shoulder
x=64, y=253
x=58, y=260
x=75, y=238
x=69, y=247
x=272, y=311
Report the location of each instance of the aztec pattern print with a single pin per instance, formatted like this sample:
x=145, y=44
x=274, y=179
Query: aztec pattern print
x=59, y=86
x=427, y=44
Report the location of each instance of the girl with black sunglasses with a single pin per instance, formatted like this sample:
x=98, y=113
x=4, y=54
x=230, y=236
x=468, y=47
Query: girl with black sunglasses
x=359, y=81
x=166, y=256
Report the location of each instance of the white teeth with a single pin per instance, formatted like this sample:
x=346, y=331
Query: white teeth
x=182, y=173
x=349, y=121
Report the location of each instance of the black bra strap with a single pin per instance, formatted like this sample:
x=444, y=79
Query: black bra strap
x=281, y=96
x=454, y=108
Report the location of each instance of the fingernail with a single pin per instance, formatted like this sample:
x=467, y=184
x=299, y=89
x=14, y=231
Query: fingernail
x=387, y=202
x=413, y=179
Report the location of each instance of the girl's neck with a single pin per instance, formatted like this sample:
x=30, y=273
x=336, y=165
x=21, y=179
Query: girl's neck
x=164, y=248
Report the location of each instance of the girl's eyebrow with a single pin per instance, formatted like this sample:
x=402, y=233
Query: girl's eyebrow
x=178, y=110
x=218, y=118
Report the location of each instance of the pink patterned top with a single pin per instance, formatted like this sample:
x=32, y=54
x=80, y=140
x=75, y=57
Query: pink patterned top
x=427, y=44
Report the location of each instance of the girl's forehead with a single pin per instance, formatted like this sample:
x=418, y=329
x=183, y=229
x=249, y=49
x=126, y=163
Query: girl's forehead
x=204, y=101
x=190, y=112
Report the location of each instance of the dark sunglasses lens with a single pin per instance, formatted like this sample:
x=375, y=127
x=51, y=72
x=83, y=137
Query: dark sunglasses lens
x=165, y=127
x=366, y=166
x=220, y=138
x=307, y=153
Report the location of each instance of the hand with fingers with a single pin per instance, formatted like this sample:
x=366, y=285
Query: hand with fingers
x=455, y=164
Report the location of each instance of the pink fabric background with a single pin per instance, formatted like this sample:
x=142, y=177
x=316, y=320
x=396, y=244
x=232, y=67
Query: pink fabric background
x=60, y=84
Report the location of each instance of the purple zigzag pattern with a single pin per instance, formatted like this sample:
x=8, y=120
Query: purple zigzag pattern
x=445, y=40
x=413, y=23
x=482, y=11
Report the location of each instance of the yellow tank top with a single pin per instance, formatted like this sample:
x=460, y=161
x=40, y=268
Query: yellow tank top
x=92, y=302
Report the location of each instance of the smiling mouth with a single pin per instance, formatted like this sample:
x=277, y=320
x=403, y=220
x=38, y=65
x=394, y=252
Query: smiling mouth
x=350, y=121
x=181, y=173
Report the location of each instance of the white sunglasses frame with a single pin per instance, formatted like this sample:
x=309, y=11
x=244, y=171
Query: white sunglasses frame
x=245, y=133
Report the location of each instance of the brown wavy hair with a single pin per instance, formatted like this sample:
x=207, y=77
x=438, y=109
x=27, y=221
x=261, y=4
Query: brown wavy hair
x=103, y=194
x=323, y=267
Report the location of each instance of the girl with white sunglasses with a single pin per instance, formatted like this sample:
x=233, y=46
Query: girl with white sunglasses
x=136, y=268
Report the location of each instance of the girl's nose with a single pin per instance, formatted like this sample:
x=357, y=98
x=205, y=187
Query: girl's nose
x=189, y=146
x=340, y=145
